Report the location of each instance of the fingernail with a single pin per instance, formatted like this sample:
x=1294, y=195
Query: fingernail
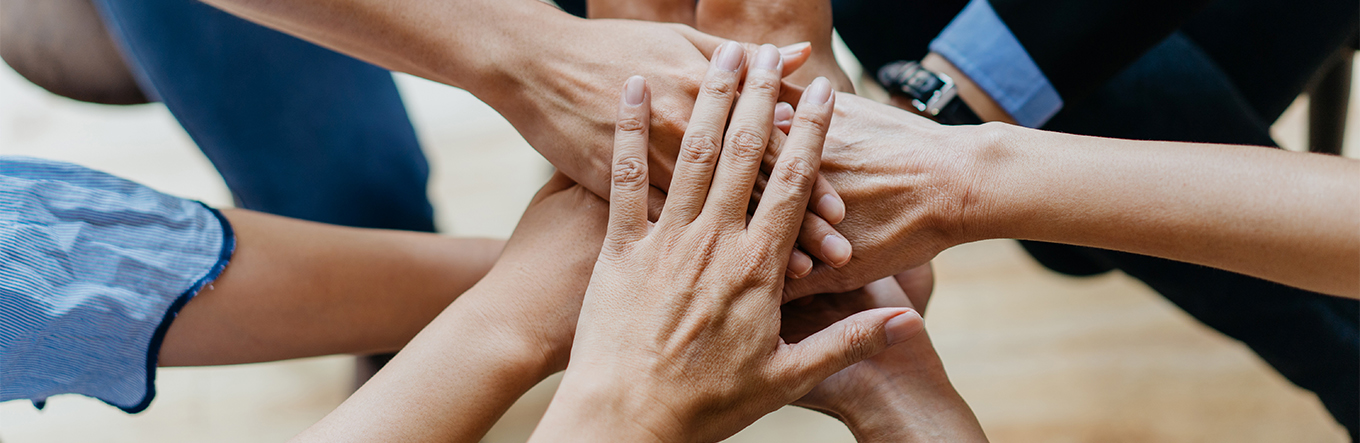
x=903, y=327
x=634, y=89
x=836, y=249
x=799, y=264
x=729, y=56
x=767, y=58
x=783, y=113
x=819, y=92
x=831, y=208
x=794, y=49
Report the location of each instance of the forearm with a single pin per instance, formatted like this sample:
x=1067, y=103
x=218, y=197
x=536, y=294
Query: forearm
x=298, y=289
x=450, y=384
x=1286, y=217
x=464, y=43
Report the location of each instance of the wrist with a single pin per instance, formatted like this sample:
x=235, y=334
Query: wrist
x=527, y=33
x=510, y=334
x=988, y=153
x=594, y=408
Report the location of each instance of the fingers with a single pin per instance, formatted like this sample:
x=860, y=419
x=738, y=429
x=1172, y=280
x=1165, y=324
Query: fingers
x=800, y=265
x=783, y=117
x=629, y=186
x=851, y=340
x=819, y=239
x=826, y=202
x=783, y=203
x=702, y=144
x=746, y=140
x=794, y=55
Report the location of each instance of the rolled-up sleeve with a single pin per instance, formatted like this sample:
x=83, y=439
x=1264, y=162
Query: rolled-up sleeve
x=93, y=268
x=978, y=42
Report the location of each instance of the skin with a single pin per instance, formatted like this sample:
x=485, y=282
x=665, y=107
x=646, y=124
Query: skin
x=62, y=46
x=299, y=289
x=913, y=188
x=900, y=395
x=779, y=22
x=550, y=74
x=678, y=338
x=503, y=336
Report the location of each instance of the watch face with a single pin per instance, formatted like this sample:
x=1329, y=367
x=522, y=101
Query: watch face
x=923, y=83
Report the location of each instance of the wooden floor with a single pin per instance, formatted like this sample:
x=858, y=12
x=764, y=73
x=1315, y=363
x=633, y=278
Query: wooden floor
x=1041, y=358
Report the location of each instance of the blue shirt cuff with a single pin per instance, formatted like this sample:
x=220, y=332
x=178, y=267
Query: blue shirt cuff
x=981, y=46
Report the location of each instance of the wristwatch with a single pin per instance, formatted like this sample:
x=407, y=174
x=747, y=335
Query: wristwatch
x=931, y=93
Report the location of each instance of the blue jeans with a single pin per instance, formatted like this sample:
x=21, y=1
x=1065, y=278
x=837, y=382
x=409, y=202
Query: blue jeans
x=294, y=129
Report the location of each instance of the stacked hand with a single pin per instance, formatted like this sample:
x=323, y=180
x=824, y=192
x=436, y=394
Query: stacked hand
x=557, y=100
x=679, y=332
x=901, y=394
x=778, y=22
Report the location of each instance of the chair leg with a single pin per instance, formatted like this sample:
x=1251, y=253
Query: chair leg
x=1328, y=102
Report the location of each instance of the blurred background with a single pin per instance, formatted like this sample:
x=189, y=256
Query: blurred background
x=1040, y=357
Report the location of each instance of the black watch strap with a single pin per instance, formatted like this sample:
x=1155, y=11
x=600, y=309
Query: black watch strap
x=932, y=93
x=956, y=112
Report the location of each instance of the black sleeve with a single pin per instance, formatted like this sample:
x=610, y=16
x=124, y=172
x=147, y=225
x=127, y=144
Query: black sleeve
x=1081, y=44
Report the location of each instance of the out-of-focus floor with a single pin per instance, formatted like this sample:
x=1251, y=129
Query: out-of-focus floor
x=1040, y=357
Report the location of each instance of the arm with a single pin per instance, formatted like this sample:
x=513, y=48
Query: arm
x=779, y=22
x=914, y=188
x=1288, y=217
x=460, y=373
x=678, y=336
x=298, y=289
x=550, y=74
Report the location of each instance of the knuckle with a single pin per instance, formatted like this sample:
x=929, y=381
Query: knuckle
x=630, y=172
x=761, y=85
x=715, y=87
x=815, y=123
x=798, y=174
x=700, y=149
x=859, y=340
x=746, y=141
x=630, y=124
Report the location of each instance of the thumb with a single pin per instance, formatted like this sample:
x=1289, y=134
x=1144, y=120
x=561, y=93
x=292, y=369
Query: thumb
x=853, y=339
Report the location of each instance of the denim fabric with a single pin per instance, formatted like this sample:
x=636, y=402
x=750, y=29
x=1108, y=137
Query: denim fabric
x=980, y=45
x=295, y=129
x=93, y=268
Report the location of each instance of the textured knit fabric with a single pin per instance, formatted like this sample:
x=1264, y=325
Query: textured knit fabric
x=93, y=268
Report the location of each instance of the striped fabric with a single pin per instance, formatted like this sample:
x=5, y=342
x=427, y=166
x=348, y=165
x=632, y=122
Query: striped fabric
x=92, y=270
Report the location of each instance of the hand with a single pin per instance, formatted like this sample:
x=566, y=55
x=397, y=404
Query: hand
x=901, y=394
x=672, y=11
x=559, y=99
x=487, y=348
x=905, y=181
x=780, y=22
x=678, y=336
